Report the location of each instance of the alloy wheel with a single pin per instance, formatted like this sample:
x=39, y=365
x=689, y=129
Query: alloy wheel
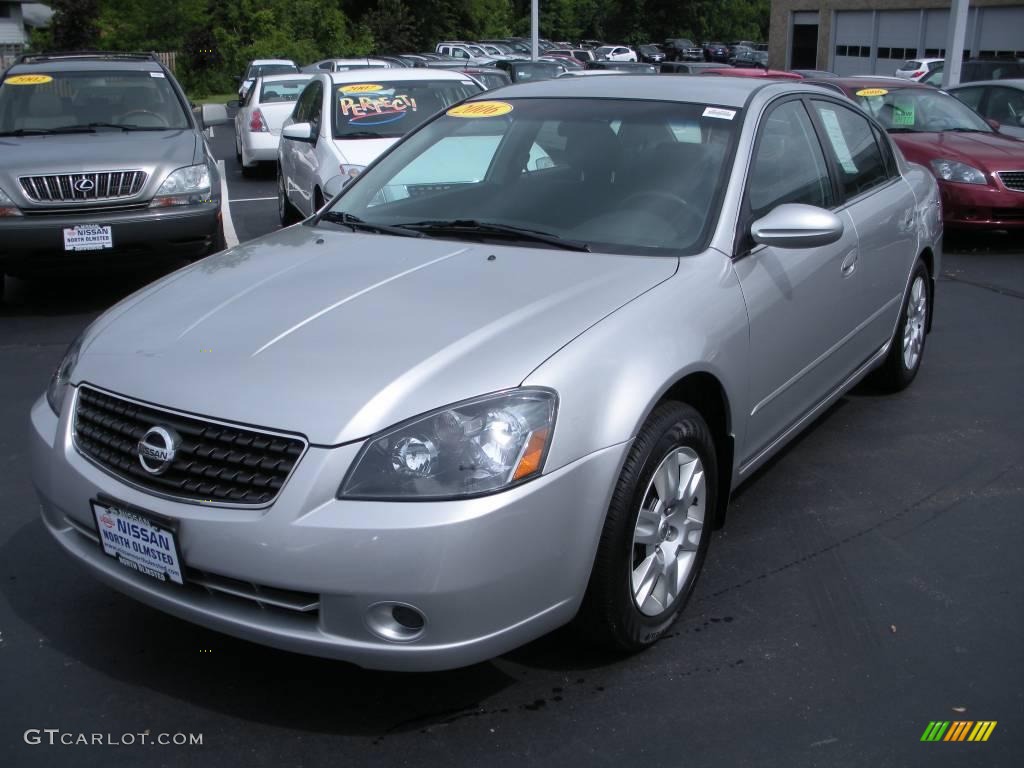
x=914, y=329
x=668, y=531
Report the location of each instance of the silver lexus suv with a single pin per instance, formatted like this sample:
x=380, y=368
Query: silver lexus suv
x=102, y=161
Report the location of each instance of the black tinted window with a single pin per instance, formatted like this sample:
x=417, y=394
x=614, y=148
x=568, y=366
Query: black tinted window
x=853, y=146
x=788, y=166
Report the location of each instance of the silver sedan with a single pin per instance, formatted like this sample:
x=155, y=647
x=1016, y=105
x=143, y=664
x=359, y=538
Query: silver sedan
x=507, y=378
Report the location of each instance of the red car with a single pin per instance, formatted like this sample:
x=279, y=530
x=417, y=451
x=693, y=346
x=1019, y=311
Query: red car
x=980, y=171
x=778, y=74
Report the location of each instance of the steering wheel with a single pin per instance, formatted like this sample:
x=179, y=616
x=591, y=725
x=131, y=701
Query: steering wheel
x=145, y=112
x=678, y=205
x=941, y=123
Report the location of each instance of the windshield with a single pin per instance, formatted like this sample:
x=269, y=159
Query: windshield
x=919, y=110
x=262, y=70
x=389, y=110
x=282, y=90
x=492, y=79
x=42, y=102
x=618, y=176
x=536, y=70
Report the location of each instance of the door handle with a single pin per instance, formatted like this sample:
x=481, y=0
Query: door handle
x=850, y=263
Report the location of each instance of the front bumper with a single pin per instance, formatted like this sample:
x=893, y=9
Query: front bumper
x=489, y=574
x=976, y=206
x=34, y=243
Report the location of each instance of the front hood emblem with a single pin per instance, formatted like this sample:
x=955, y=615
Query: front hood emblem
x=157, y=449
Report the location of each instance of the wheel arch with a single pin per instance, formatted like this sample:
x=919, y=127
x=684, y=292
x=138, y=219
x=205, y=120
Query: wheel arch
x=703, y=391
x=928, y=257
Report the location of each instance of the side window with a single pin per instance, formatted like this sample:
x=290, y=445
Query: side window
x=970, y=96
x=1006, y=105
x=788, y=164
x=302, y=107
x=316, y=105
x=328, y=65
x=853, y=147
x=250, y=95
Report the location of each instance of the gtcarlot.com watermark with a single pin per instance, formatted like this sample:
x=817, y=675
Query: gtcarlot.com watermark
x=57, y=737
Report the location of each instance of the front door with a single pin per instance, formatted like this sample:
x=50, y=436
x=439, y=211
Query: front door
x=801, y=303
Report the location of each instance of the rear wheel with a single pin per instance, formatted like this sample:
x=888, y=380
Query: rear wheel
x=656, y=533
x=907, y=349
x=285, y=210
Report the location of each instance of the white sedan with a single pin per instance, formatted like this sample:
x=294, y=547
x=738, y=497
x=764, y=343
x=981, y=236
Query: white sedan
x=343, y=121
x=260, y=117
x=262, y=68
x=615, y=53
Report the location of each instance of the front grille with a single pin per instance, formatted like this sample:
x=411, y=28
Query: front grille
x=83, y=187
x=214, y=462
x=1012, y=180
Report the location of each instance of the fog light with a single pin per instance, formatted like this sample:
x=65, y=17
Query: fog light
x=396, y=622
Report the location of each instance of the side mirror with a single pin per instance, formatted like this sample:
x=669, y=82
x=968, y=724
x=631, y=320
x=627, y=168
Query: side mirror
x=794, y=225
x=233, y=104
x=994, y=123
x=298, y=132
x=335, y=184
x=214, y=114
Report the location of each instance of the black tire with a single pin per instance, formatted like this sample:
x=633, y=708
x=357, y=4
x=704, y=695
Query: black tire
x=895, y=374
x=285, y=210
x=250, y=171
x=610, y=615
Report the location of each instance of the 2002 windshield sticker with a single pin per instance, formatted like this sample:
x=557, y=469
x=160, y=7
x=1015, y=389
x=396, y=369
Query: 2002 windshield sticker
x=378, y=109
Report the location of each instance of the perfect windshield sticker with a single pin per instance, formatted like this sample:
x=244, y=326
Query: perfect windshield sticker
x=481, y=109
x=28, y=80
x=867, y=92
x=360, y=88
x=376, y=110
x=721, y=114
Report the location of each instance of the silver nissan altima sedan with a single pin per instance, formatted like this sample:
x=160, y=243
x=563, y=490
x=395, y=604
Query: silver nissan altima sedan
x=507, y=378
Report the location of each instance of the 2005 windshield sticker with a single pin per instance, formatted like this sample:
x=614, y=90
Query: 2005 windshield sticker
x=368, y=104
x=481, y=109
x=28, y=80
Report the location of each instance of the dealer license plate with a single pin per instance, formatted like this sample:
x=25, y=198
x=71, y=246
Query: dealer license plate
x=137, y=541
x=88, y=237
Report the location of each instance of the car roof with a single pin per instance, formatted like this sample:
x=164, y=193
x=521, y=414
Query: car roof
x=86, y=64
x=259, y=62
x=1013, y=82
x=289, y=78
x=889, y=83
x=727, y=91
x=396, y=73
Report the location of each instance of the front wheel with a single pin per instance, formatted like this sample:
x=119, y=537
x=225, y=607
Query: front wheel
x=285, y=210
x=907, y=349
x=656, y=532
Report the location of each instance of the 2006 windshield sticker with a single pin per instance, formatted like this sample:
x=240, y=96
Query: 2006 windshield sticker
x=28, y=80
x=481, y=109
x=377, y=109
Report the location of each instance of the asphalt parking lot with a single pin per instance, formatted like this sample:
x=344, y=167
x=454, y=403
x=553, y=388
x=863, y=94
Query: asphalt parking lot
x=869, y=581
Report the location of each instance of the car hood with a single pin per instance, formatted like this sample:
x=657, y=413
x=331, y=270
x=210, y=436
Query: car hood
x=362, y=151
x=338, y=335
x=989, y=151
x=155, y=152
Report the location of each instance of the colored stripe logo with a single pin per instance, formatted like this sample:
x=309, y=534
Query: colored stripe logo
x=958, y=730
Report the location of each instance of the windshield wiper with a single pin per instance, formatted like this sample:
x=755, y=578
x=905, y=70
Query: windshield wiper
x=358, y=225
x=362, y=135
x=49, y=131
x=963, y=130
x=485, y=228
x=901, y=130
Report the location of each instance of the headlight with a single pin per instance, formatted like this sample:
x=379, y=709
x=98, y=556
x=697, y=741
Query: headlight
x=59, y=381
x=186, y=186
x=953, y=170
x=472, y=448
x=7, y=206
x=351, y=171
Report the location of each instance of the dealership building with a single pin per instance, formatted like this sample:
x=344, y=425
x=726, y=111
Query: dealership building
x=864, y=37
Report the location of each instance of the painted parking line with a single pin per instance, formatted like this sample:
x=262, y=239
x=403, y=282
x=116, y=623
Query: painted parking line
x=230, y=237
x=252, y=199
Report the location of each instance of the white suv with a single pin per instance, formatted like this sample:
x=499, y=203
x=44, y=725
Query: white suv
x=915, y=69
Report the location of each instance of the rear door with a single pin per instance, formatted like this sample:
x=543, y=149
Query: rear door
x=881, y=205
x=800, y=303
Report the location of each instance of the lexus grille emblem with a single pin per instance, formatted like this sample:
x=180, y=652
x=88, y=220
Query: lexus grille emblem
x=85, y=185
x=157, y=448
